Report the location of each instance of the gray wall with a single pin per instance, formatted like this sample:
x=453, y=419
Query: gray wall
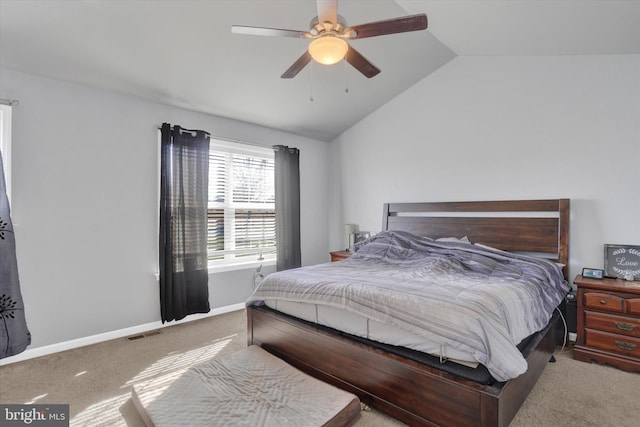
x=495, y=128
x=85, y=189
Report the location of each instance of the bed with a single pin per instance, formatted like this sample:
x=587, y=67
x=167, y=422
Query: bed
x=392, y=379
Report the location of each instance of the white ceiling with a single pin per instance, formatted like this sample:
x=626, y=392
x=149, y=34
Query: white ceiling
x=182, y=52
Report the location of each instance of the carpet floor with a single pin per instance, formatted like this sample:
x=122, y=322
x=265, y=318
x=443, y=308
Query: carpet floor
x=96, y=380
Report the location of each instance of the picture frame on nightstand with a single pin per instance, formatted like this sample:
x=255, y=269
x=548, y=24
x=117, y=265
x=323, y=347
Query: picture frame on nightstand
x=361, y=236
x=622, y=261
x=593, y=273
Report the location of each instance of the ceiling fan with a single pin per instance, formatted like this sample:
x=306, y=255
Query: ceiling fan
x=328, y=32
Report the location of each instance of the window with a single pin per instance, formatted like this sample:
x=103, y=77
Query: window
x=5, y=145
x=241, y=214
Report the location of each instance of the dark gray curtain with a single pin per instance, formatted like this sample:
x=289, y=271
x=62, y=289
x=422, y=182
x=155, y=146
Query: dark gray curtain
x=287, y=187
x=14, y=335
x=184, y=170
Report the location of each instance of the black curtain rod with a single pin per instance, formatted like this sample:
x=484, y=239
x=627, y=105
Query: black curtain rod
x=10, y=102
x=236, y=141
x=189, y=130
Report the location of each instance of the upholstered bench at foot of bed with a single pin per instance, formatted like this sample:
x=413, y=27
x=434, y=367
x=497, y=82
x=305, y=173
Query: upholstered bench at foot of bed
x=247, y=388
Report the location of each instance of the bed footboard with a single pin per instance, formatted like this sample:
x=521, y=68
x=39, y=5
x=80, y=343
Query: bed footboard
x=406, y=390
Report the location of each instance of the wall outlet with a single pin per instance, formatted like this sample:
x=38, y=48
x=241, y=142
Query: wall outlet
x=573, y=336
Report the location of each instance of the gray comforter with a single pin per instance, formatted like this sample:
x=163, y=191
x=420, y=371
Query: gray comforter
x=470, y=297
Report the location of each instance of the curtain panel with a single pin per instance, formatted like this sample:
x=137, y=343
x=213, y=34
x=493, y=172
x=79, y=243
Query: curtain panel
x=287, y=202
x=14, y=334
x=184, y=170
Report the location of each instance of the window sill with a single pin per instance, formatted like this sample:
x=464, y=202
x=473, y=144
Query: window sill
x=245, y=265
x=233, y=267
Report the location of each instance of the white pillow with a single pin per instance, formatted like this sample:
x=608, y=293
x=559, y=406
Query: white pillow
x=463, y=239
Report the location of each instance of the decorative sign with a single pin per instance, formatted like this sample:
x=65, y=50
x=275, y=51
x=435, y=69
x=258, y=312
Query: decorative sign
x=622, y=261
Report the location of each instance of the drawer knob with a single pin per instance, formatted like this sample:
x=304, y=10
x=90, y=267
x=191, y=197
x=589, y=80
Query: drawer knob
x=603, y=302
x=624, y=326
x=625, y=345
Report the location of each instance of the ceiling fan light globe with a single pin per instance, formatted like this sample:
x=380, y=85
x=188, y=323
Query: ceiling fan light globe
x=328, y=50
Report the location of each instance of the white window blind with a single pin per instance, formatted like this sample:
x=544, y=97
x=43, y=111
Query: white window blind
x=241, y=214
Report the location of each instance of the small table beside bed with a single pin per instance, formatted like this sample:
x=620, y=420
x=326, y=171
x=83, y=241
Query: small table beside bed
x=447, y=317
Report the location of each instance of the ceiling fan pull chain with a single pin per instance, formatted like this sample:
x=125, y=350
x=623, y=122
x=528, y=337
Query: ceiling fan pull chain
x=311, y=83
x=346, y=77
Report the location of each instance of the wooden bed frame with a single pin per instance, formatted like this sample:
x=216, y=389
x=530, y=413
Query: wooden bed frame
x=409, y=391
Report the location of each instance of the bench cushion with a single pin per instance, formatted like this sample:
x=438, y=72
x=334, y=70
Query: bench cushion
x=247, y=388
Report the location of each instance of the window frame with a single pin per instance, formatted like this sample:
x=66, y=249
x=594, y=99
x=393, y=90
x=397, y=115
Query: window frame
x=5, y=144
x=230, y=262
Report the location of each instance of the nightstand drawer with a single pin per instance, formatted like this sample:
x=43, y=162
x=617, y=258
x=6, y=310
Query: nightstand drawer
x=604, y=302
x=615, y=324
x=634, y=306
x=612, y=342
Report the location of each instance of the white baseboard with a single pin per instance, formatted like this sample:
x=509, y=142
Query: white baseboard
x=120, y=333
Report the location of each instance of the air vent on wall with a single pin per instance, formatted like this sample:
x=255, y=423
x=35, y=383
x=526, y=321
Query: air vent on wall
x=146, y=334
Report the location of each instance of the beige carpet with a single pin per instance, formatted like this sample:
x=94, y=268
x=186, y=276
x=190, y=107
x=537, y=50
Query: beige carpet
x=96, y=380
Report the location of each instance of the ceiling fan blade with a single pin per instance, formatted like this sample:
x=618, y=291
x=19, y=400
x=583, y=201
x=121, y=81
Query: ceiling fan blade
x=327, y=11
x=297, y=66
x=263, y=31
x=388, y=26
x=361, y=63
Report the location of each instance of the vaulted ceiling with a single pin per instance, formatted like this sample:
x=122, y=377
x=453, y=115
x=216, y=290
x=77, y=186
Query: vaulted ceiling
x=182, y=52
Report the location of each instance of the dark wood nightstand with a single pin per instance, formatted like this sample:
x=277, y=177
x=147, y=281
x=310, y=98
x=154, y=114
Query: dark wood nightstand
x=608, y=322
x=339, y=255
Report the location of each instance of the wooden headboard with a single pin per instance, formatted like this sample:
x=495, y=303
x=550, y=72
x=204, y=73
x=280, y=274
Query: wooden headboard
x=539, y=227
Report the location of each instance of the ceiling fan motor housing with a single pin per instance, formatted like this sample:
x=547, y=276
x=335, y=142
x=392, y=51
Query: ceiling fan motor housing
x=318, y=28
